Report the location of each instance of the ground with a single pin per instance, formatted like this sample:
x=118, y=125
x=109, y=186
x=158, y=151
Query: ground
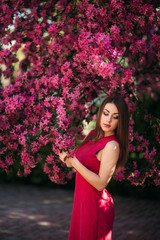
x=36, y=213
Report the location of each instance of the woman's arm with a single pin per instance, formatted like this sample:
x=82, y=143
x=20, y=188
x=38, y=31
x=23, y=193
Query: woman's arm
x=108, y=163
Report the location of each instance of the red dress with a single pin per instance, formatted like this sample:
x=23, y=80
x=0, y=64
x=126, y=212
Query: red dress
x=93, y=210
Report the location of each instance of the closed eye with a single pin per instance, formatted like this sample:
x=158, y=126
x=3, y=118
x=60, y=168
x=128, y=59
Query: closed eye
x=105, y=113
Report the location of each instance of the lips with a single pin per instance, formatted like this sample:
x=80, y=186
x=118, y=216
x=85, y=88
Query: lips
x=107, y=125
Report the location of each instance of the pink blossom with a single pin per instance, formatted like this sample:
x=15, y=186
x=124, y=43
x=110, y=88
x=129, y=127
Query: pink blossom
x=72, y=54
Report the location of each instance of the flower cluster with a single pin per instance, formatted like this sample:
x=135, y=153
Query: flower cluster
x=73, y=52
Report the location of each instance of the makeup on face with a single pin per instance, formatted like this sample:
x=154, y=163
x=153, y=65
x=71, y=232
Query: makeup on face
x=109, y=119
x=106, y=112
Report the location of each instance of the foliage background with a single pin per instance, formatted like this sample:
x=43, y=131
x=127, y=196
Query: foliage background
x=124, y=188
x=73, y=52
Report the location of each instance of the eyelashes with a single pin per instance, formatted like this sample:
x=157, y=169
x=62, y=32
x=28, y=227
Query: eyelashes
x=106, y=114
x=115, y=117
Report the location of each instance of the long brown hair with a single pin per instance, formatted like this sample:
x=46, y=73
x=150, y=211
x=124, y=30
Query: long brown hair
x=121, y=131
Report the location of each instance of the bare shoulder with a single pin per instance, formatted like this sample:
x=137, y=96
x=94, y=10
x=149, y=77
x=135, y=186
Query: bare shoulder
x=112, y=145
x=110, y=153
x=111, y=150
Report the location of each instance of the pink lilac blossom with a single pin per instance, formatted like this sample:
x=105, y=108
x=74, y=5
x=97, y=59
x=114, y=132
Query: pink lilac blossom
x=73, y=53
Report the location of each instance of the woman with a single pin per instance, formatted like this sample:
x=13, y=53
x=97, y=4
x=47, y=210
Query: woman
x=102, y=153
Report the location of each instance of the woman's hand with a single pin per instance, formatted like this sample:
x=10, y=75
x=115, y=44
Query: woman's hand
x=63, y=155
x=68, y=162
x=65, y=159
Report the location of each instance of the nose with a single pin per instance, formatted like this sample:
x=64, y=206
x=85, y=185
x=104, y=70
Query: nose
x=109, y=118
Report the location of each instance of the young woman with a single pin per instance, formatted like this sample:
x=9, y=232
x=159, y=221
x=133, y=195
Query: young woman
x=102, y=153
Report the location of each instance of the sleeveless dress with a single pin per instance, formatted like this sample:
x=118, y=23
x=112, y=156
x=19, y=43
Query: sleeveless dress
x=93, y=210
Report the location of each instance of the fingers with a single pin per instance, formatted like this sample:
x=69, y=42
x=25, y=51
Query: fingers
x=65, y=159
x=63, y=156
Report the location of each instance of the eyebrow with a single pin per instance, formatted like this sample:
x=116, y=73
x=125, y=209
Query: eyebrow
x=109, y=111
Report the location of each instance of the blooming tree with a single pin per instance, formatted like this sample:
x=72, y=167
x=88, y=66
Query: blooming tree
x=75, y=51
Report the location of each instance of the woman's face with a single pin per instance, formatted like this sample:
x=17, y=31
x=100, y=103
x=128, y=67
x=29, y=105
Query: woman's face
x=109, y=119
